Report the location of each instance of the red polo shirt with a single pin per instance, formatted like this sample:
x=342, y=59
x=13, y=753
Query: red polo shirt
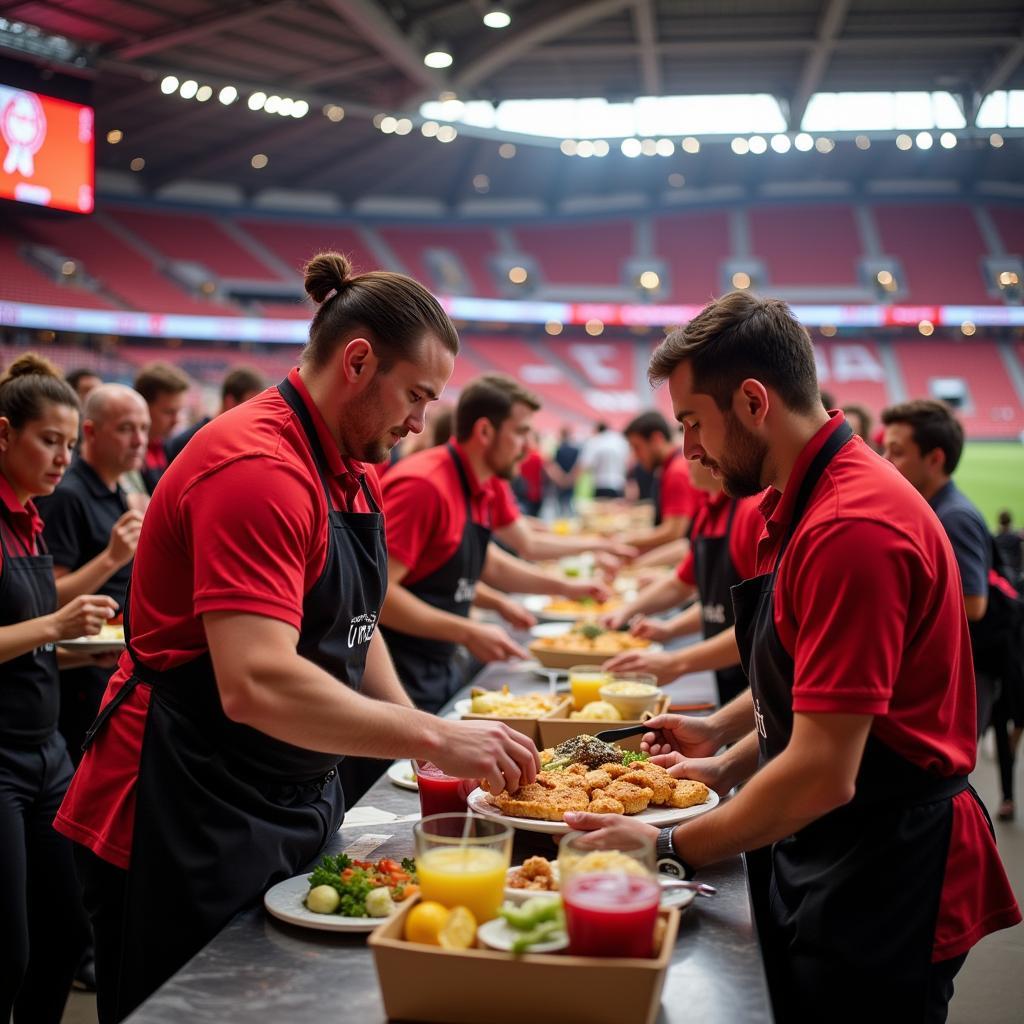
x=238, y=524
x=426, y=509
x=22, y=522
x=869, y=606
x=676, y=495
x=712, y=520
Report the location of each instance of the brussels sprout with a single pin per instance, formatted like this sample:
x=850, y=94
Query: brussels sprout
x=324, y=899
x=379, y=902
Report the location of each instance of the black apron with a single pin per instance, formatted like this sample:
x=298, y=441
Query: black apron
x=428, y=669
x=854, y=896
x=716, y=576
x=225, y=811
x=656, y=480
x=29, y=690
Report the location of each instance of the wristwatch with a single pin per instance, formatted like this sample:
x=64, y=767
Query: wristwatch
x=669, y=862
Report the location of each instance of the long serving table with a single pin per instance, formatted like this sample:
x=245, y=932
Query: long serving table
x=261, y=970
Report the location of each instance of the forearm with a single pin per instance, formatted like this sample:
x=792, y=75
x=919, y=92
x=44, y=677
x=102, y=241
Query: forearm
x=380, y=680
x=405, y=612
x=538, y=546
x=22, y=637
x=719, y=651
x=671, y=529
x=513, y=575
x=85, y=580
x=488, y=597
x=733, y=722
x=687, y=622
x=659, y=596
x=668, y=554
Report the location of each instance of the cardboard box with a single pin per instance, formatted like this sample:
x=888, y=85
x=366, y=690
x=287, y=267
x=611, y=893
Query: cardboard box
x=565, y=660
x=529, y=726
x=427, y=983
x=555, y=730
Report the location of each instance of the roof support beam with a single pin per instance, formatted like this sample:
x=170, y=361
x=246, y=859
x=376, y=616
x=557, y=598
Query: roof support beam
x=522, y=42
x=1007, y=65
x=233, y=18
x=647, y=36
x=342, y=72
x=369, y=19
x=813, y=72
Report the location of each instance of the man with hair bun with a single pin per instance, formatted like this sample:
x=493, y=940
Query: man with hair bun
x=253, y=661
x=855, y=740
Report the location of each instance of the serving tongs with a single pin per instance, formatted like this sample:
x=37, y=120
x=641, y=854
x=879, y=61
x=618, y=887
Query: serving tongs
x=610, y=735
x=700, y=888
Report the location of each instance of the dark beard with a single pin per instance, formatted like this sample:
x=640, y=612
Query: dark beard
x=742, y=470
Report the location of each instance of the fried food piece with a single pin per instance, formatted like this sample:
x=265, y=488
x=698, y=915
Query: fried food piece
x=597, y=779
x=654, y=778
x=605, y=804
x=547, y=754
x=614, y=769
x=634, y=799
x=542, y=802
x=534, y=875
x=688, y=793
x=576, y=769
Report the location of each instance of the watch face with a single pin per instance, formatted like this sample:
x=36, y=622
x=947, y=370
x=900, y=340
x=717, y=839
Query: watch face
x=668, y=866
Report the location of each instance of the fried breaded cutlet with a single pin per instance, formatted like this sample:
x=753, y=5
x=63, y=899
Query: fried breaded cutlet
x=688, y=794
x=653, y=777
x=535, y=875
x=541, y=802
x=601, y=804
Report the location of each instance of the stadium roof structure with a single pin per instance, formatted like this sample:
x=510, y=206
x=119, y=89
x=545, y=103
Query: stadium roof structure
x=349, y=78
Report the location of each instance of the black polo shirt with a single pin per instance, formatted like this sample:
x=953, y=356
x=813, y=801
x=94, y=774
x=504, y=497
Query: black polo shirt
x=78, y=518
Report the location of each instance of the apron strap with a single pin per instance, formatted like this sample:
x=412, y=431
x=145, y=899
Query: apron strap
x=464, y=480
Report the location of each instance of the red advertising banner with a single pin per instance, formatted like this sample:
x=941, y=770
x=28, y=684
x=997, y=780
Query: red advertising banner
x=46, y=151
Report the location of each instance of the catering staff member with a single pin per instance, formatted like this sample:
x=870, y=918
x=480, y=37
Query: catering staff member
x=723, y=548
x=253, y=659
x=91, y=533
x=41, y=936
x=165, y=389
x=238, y=386
x=441, y=507
x=676, y=500
x=858, y=736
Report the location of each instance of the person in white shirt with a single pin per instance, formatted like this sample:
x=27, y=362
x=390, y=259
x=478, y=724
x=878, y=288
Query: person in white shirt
x=605, y=456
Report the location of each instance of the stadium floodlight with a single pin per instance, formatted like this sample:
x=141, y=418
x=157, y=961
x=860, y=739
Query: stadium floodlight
x=272, y=105
x=188, y=89
x=923, y=140
x=904, y=142
x=256, y=100
x=259, y=161
x=114, y=136
x=947, y=140
x=300, y=108
x=518, y=275
x=553, y=327
x=823, y=144
x=967, y=329
x=649, y=280
x=741, y=280
x=204, y=93
x=665, y=147
x=585, y=148
x=926, y=328
x=429, y=129
x=594, y=327
x=781, y=143
x=648, y=147
x=497, y=17
x=284, y=108
x=228, y=95
x=676, y=180
x=804, y=142
x=447, y=133
x=388, y=124
x=438, y=59
x=507, y=150
x=740, y=146
x=862, y=142
x=757, y=145
x=568, y=147
x=691, y=145
x=482, y=183
x=996, y=140
x=335, y=113
x=169, y=85
x=828, y=330
x=403, y=126
x=137, y=164
x=631, y=147
x=601, y=148
x=884, y=278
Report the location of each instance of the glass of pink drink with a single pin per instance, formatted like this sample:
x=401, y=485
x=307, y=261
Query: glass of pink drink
x=610, y=894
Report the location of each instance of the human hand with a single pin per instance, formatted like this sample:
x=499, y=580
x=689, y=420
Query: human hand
x=624, y=552
x=606, y=830
x=487, y=642
x=651, y=629
x=124, y=537
x=709, y=770
x=490, y=751
x=691, y=737
x=660, y=664
x=616, y=619
x=516, y=615
x=83, y=616
x=586, y=589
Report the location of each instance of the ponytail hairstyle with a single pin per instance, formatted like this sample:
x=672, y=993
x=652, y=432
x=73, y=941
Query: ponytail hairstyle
x=28, y=384
x=392, y=310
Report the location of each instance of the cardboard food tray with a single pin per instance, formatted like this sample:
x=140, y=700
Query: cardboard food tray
x=427, y=983
x=528, y=726
x=569, y=659
x=554, y=730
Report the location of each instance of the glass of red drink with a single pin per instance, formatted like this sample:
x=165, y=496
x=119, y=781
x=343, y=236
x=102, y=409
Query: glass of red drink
x=441, y=793
x=610, y=892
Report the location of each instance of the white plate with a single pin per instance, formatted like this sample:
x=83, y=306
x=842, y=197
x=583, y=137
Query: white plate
x=498, y=934
x=660, y=816
x=546, y=629
x=678, y=898
x=285, y=902
x=98, y=644
x=538, y=604
x=403, y=775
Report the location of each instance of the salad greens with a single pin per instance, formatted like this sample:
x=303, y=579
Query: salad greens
x=537, y=920
x=354, y=880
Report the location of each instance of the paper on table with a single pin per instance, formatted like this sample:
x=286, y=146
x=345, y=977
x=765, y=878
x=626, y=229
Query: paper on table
x=370, y=815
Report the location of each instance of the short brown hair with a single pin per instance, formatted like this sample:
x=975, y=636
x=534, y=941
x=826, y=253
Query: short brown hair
x=647, y=424
x=492, y=397
x=240, y=382
x=394, y=310
x=932, y=425
x=740, y=336
x=28, y=384
x=156, y=379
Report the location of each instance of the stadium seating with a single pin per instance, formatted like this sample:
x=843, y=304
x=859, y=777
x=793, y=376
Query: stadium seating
x=472, y=248
x=580, y=253
x=294, y=242
x=693, y=246
x=21, y=282
x=853, y=373
x=813, y=245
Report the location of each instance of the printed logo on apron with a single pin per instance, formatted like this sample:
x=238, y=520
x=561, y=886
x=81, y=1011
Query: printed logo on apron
x=361, y=628
x=759, y=719
x=714, y=613
x=465, y=590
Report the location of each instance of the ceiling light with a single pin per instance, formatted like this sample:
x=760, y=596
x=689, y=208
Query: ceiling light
x=649, y=280
x=272, y=105
x=691, y=145
x=904, y=142
x=68, y=268
x=781, y=143
x=284, y=108
x=741, y=279
x=803, y=142
x=334, y=113
x=169, y=85
x=884, y=277
x=862, y=142
x=568, y=147
x=259, y=161
x=137, y=163
x=823, y=145
x=482, y=183
x=924, y=140
x=403, y=126
x=926, y=327
x=518, y=275
x=429, y=129
x=497, y=17
x=387, y=124
x=438, y=59
x=300, y=108
x=585, y=148
x=676, y=180
x=828, y=330
x=114, y=136
x=947, y=140
x=648, y=147
x=665, y=147
x=204, y=93
x=553, y=327
x=228, y=95
x=996, y=140
x=256, y=100
x=594, y=327
x=630, y=147
x=506, y=150
x=447, y=133
x=188, y=89
x=740, y=146
x=758, y=145
x=601, y=148
x=967, y=329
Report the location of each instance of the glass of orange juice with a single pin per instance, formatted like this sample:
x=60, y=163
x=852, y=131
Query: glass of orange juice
x=462, y=861
x=586, y=681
